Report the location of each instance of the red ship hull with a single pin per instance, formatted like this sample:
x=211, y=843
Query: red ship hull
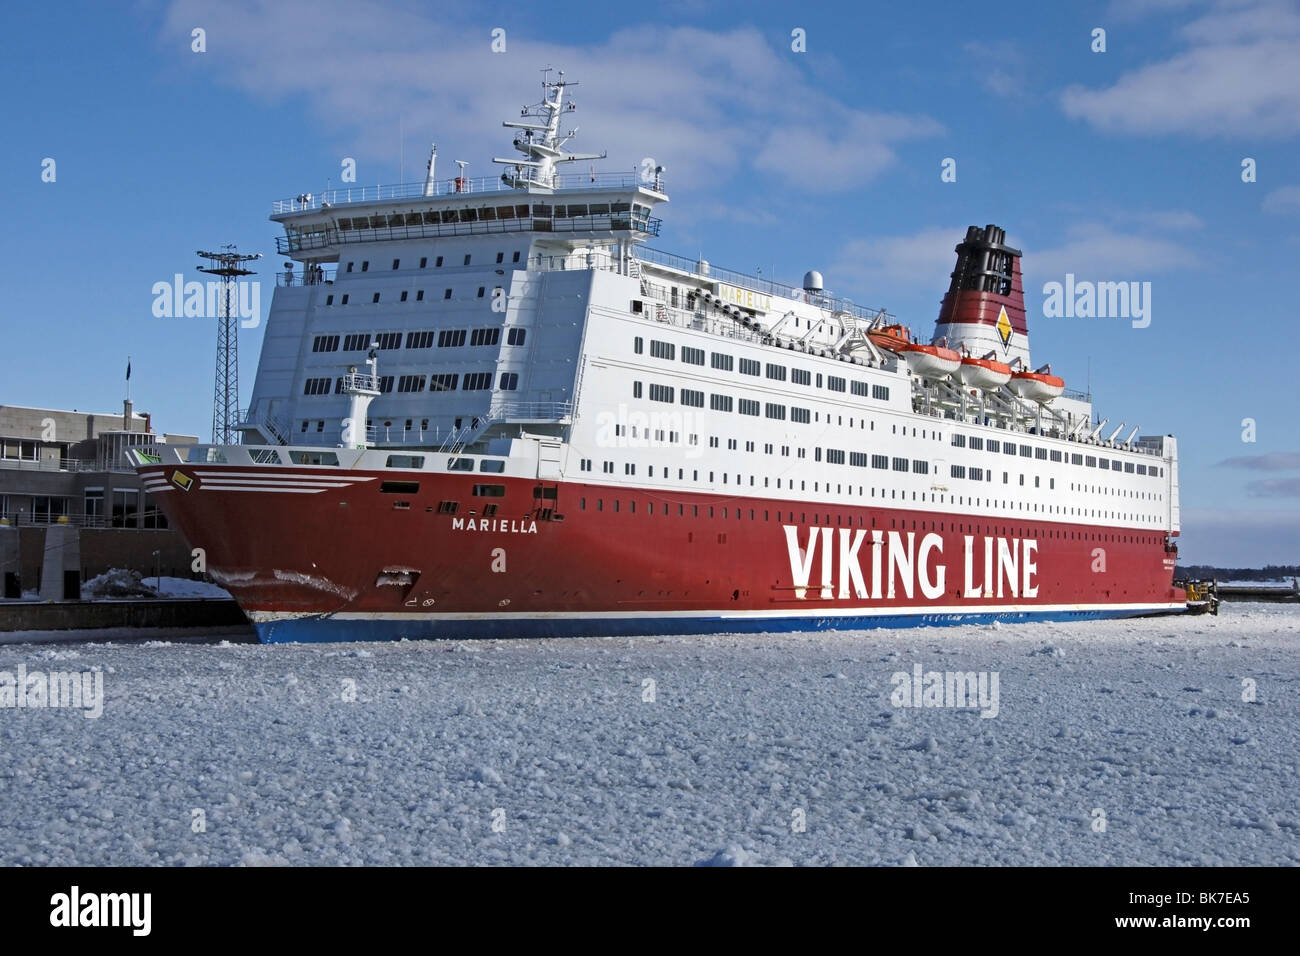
x=353, y=555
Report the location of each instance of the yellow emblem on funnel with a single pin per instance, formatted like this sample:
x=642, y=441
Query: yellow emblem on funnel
x=1004, y=327
x=182, y=481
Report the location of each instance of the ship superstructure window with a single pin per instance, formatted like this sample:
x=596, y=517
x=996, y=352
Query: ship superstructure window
x=920, y=467
x=411, y=383
x=480, y=292
x=958, y=441
x=993, y=445
x=460, y=464
x=515, y=258
x=977, y=444
x=489, y=491
x=722, y=361
x=349, y=268
x=509, y=381
x=663, y=350
x=476, y=381
x=1026, y=451
x=365, y=265
x=424, y=261
x=329, y=300
x=437, y=263
x=1008, y=448
x=880, y=392
x=859, y=388
x=1040, y=453
x=638, y=345
x=957, y=471
x=750, y=367
x=858, y=459
x=404, y=294
x=419, y=295
x=451, y=338
x=1076, y=459
x=344, y=301
x=419, y=340
x=834, y=456
x=748, y=406
x=720, y=403
x=880, y=461
x=801, y=415
x=375, y=300
x=389, y=340
x=385, y=384
x=485, y=337
x=661, y=393
x=774, y=410
x=516, y=336
x=445, y=382
x=446, y=293
x=835, y=384
x=692, y=356
x=325, y=343
x=901, y=464
x=316, y=386
x=467, y=258
x=776, y=372
x=692, y=398
x=396, y=263
x=1056, y=455
x=636, y=389
x=500, y=257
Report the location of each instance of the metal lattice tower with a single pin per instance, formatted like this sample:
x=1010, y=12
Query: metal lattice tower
x=225, y=401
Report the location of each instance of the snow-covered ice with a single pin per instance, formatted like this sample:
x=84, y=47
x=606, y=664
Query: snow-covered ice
x=564, y=751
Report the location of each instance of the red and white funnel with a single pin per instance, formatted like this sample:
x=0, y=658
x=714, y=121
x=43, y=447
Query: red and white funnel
x=984, y=310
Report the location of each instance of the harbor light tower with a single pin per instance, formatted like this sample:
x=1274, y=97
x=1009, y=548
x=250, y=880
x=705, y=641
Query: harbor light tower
x=225, y=400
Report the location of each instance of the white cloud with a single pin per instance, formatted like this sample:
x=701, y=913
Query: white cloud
x=1237, y=78
x=1285, y=199
x=922, y=260
x=1100, y=252
x=707, y=104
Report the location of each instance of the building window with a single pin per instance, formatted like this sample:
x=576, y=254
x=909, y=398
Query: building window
x=126, y=507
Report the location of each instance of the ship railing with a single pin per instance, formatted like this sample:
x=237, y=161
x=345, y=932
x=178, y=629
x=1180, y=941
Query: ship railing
x=312, y=275
x=359, y=381
x=506, y=411
x=324, y=238
x=306, y=202
x=706, y=273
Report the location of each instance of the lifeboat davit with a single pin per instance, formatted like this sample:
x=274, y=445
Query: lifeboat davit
x=1041, y=386
x=984, y=373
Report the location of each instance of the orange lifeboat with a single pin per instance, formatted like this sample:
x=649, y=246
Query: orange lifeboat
x=984, y=373
x=931, y=361
x=892, y=337
x=1040, y=386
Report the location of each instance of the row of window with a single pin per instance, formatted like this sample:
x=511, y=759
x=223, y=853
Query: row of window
x=423, y=339
x=1043, y=454
x=397, y=263
x=726, y=363
x=489, y=214
x=445, y=382
x=405, y=294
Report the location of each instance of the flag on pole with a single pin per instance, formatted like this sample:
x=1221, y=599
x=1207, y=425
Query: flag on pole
x=128, y=369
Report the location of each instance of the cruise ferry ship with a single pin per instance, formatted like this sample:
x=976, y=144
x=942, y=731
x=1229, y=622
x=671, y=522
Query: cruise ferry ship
x=487, y=408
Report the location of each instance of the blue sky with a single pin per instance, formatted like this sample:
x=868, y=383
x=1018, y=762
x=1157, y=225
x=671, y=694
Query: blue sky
x=1123, y=165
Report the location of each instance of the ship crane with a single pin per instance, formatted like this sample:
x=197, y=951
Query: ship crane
x=1092, y=435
